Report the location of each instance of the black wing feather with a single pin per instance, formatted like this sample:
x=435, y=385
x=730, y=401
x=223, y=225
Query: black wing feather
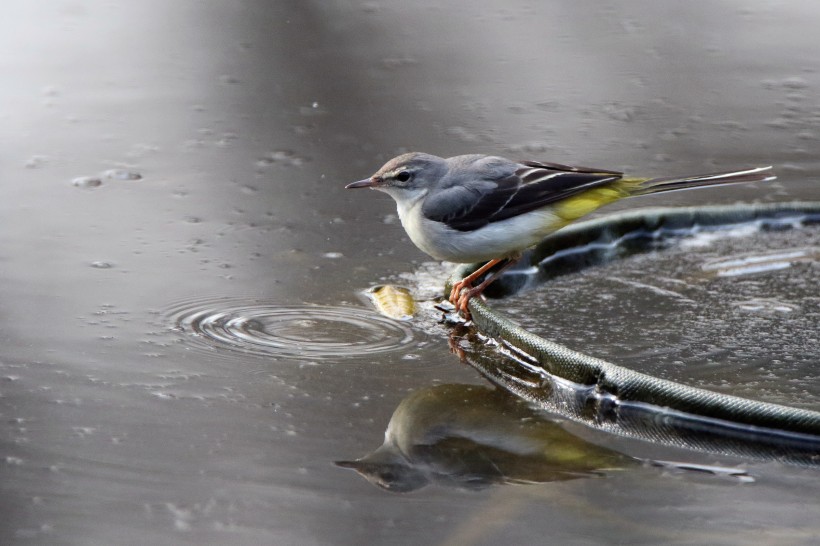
x=570, y=168
x=466, y=208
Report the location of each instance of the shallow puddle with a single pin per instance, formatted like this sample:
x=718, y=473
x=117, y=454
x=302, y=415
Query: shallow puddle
x=184, y=347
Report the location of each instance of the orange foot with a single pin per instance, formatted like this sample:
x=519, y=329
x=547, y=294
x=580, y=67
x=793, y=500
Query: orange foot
x=463, y=290
x=467, y=282
x=464, y=300
x=455, y=292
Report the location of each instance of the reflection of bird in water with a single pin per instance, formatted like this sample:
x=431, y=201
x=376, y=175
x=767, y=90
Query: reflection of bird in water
x=472, y=436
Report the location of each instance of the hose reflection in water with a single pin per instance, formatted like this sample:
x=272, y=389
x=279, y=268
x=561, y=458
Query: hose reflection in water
x=471, y=437
x=595, y=406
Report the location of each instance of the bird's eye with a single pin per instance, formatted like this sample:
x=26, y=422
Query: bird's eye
x=403, y=176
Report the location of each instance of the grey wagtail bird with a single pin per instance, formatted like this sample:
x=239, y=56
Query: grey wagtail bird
x=479, y=208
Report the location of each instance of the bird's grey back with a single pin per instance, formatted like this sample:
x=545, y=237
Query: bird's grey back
x=474, y=168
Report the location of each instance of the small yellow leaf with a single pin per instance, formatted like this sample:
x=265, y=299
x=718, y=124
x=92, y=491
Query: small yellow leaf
x=393, y=301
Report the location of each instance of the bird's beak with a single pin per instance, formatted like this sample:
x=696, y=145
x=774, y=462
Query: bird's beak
x=366, y=183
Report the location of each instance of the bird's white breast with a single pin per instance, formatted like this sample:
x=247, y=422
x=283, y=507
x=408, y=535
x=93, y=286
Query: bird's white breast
x=495, y=240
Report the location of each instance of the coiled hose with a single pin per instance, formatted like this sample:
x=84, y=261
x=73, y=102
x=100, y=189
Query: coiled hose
x=618, y=388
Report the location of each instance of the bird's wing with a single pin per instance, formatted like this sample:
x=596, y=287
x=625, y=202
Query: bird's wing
x=470, y=206
x=570, y=168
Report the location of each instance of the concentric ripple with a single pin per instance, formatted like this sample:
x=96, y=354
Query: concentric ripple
x=310, y=332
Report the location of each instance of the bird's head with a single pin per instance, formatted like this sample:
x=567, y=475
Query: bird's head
x=406, y=177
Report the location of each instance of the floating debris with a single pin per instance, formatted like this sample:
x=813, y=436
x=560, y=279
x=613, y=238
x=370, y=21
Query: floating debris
x=392, y=301
x=110, y=174
x=86, y=182
x=35, y=161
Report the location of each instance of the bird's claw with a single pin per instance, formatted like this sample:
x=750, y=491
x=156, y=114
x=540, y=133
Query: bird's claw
x=464, y=301
x=460, y=296
x=455, y=291
x=461, y=299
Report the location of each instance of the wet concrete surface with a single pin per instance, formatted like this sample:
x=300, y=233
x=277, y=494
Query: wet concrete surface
x=157, y=380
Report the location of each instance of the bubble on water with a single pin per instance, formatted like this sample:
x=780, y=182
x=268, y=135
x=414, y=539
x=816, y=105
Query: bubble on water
x=674, y=134
x=110, y=174
x=35, y=161
x=312, y=110
x=794, y=82
x=82, y=432
x=620, y=112
x=227, y=139
x=120, y=174
x=86, y=182
x=287, y=158
x=780, y=123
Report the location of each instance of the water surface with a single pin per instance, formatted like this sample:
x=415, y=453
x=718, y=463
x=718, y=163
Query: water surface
x=165, y=162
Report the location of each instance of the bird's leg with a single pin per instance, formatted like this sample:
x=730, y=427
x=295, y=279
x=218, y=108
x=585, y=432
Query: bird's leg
x=470, y=293
x=467, y=282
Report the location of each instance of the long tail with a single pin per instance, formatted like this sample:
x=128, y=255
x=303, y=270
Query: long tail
x=579, y=205
x=656, y=185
